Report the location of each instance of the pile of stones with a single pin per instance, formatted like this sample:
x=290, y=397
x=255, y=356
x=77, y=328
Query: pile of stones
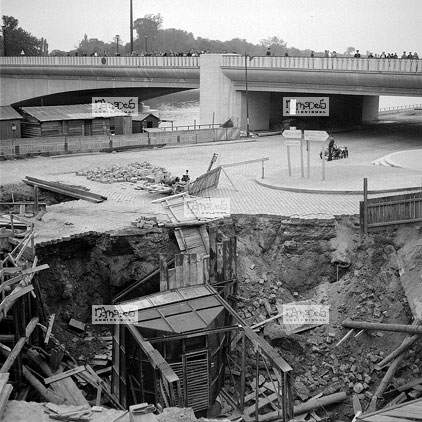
x=132, y=173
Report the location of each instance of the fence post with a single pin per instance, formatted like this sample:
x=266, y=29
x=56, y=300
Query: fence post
x=365, y=205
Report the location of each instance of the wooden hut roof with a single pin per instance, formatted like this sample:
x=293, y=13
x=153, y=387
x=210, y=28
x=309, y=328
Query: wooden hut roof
x=9, y=113
x=70, y=112
x=178, y=311
x=140, y=117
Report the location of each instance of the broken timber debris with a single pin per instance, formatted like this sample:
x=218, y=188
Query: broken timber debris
x=64, y=189
x=400, y=328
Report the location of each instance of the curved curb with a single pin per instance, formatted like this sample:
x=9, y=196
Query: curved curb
x=332, y=192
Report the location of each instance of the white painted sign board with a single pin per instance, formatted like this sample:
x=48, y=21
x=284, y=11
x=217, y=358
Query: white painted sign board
x=316, y=135
x=292, y=143
x=292, y=134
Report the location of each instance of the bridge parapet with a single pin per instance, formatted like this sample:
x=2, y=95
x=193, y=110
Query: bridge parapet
x=321, y=63
x=147, y=61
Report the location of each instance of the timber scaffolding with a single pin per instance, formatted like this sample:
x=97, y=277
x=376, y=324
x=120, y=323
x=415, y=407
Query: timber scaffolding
x=35, y=363
x=187, y=338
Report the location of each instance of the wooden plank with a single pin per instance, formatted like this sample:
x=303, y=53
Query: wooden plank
x=179, y=270
x=19, y=345
x=410, y=384
x=219, y=274
x=205, y=238
x=185, y=270
x=4, y=397
x=50, y=328
x=213, y=255
x=13, y=296
x=63, y=191
x=200, y=269
x=164, y=276
x=261, y=403
x=379, y=418
x=65, y=374
x=241, y=163
x=67, y=187
x=193, y=271
x=171, y=278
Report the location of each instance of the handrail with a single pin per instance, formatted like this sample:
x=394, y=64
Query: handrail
x=399, y=108
x=327, y=64
x=138, y=61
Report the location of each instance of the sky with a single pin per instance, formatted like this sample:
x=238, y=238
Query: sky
x=367, y=25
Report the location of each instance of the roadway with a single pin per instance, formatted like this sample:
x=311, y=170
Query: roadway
x=125, y=204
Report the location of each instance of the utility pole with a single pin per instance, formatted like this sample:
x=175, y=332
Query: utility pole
x=4, y=40
x=246, y=95
x=131, y=27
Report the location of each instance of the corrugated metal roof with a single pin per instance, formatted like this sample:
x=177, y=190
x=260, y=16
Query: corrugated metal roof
x=178, y=311
x=142, y=116
x=9, y=113
x=71, y=112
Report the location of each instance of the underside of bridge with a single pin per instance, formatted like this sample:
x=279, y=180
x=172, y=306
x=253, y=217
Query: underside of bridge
x=266, y=111
x=85, y=96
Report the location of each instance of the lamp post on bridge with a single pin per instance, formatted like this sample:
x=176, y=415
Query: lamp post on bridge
x=117, y=45
x=146, y=43
x=246, y=93
x=3, y=28
x=131, y=27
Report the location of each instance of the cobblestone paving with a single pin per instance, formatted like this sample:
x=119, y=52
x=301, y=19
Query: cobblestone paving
x=124, y=202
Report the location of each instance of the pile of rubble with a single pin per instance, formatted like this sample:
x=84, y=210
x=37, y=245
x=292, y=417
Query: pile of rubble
x=145, y=222
x=133, y=173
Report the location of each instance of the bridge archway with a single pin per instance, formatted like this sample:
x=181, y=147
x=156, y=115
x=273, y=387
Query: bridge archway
x=85, y=96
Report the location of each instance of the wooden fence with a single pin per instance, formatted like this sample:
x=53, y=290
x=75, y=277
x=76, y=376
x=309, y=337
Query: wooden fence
x=205, y=181
x=23, y=147
x=389, y=210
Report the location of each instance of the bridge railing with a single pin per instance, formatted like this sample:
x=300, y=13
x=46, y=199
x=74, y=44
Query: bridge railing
x=149, y=61
x=321, y=63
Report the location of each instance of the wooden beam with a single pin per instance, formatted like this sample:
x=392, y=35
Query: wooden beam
x=241, y=163
x=49, y=329
x=67, y=187
x=65, y=374
x=400, y=328
x=154, y=356
x=19, y=345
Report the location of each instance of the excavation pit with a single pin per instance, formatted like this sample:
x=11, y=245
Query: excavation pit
x=280, y=260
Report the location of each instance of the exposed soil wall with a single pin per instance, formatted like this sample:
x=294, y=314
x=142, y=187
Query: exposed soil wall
x=90, y=270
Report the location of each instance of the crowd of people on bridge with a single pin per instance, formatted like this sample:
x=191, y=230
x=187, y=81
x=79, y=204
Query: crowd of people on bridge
x=268, y=52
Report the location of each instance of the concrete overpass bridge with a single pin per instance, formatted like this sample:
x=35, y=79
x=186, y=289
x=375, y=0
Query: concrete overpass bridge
x=352, y=85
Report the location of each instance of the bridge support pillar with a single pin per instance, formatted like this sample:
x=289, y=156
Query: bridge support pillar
x=218, y=99
x=259, y=110
x=370, y=106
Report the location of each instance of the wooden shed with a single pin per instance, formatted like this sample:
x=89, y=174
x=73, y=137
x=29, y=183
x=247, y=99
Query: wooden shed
x=187, y=327
x=144, y=120
x=10, y=123
x=68, y=120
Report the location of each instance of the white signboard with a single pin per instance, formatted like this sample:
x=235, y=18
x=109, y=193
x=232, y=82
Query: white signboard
x=306, y=106
x=292, y=134
x=292, y=143
x=316, y=135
